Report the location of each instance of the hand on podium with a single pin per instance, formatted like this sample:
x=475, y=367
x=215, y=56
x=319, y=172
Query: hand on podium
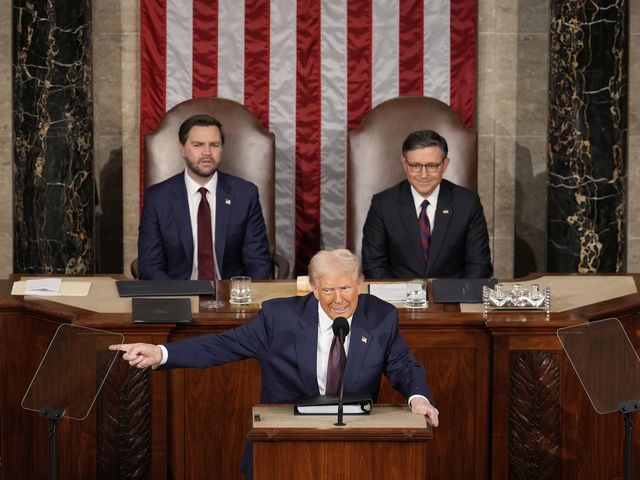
x=140, y=355
x=422, y=406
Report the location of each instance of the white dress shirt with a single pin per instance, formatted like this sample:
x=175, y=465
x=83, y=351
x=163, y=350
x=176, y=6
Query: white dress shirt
x=431, y=208
x=194, y=197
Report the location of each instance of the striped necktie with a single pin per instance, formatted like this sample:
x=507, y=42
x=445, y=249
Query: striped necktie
x=425, y=230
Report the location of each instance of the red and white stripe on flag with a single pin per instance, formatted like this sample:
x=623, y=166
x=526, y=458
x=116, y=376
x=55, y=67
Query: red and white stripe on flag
x=309, y=70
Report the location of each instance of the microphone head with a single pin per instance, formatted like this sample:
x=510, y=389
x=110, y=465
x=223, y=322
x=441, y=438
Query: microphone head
x=340, y=326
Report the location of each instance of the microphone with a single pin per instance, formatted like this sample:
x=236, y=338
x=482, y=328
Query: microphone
x=341, y=330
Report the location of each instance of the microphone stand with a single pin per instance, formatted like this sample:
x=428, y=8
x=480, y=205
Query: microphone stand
x=340, y=423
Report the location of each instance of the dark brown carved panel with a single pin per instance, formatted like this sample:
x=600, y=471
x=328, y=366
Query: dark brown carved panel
x=534, y=415
x=124, y=424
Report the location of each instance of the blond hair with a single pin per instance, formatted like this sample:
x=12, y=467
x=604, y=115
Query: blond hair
x=340, y=260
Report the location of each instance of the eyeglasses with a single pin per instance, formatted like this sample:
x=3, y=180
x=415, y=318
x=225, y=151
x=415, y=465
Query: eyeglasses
x=429, y=167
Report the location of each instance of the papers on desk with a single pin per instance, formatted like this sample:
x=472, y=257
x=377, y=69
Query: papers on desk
x=51, y=287
x=389, y=292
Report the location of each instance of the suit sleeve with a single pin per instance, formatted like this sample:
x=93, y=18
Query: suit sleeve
x=255, y=252
x=375, y=256
x=250, y=340
x=477, y=251
x=152, y=263
x=401, y=367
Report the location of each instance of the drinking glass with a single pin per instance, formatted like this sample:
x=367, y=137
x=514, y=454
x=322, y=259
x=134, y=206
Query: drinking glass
x=240, y=291
x=416, y=294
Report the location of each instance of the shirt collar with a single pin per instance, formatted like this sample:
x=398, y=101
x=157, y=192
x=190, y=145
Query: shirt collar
x=325, y=322
x=418, y=199
x=193, y=186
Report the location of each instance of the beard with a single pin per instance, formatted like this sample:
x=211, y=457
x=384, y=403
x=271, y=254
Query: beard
x=201, y=172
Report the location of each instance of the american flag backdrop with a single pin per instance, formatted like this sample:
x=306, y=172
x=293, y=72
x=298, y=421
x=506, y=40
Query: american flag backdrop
x=310, y=70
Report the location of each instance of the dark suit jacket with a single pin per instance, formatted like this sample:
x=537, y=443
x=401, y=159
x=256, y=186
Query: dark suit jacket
x=284, y=338
x=165, y=242
x=391, y=246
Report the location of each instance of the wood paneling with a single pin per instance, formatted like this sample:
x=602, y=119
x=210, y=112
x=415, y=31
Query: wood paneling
x=510, y=403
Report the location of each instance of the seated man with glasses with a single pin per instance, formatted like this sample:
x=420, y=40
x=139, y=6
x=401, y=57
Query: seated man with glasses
x=426, y=226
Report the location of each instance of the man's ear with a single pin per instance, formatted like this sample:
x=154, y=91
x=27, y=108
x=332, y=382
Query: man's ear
x=446, y=165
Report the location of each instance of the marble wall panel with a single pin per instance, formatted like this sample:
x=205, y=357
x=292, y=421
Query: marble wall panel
x=587, y=137
x=53, y=149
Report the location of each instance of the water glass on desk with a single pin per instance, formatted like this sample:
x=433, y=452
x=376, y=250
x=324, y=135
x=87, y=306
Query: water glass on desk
x=416, y=294
x=240, y=291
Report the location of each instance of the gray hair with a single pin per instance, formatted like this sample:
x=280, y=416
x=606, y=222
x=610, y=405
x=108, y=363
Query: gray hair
x=331, y=261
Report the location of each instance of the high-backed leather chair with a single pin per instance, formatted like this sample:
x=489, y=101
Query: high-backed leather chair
x=248, y=152
x=374, y=150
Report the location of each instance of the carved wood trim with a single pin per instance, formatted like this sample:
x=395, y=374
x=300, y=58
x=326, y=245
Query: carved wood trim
x=534, y=415
x=124, y=424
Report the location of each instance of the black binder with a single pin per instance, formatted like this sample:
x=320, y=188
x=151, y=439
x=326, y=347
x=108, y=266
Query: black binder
x=161, y=310
x=163, y=288
x=353, y=404
x=460, y=290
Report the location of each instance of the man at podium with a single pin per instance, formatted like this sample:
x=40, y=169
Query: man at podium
x=293, y=340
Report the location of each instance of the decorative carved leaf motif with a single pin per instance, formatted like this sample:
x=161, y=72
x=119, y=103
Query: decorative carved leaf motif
x=124, y=424
x=534, y=416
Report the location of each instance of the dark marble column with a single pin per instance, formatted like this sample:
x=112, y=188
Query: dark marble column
x=53, y=149
x=586, y=229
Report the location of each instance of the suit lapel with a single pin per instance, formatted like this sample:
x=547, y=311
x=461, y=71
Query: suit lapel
x=359, y=343
x=224, y=207
x=444, y=212
x=180, y=212
x=407, y=212
x=307, y=346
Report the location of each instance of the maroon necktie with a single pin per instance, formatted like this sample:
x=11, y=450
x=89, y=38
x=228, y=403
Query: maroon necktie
x=425, y=230
x=334, y=368
x=206, y=259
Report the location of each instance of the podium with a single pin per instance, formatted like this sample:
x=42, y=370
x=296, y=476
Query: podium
x=390, y=443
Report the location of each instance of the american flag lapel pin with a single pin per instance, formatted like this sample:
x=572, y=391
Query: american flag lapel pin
x=364, y=339
x=227, y=201
x=445, y=212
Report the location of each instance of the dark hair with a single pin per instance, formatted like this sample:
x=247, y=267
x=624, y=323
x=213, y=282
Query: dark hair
x=199, y=121
x=423, y=139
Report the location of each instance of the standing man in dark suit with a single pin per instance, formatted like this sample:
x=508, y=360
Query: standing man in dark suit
x=234, y=236
x=292, y=339
x=425, y=226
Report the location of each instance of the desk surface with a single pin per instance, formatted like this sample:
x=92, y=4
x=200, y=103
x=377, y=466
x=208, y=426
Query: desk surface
x=567, y=292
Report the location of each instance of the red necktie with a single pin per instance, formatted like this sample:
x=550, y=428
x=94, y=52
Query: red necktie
x=425, y=230
x=206, y=259
x=334, y=368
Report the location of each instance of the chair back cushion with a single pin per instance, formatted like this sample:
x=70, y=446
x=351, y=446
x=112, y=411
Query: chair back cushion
x=375, y=148
x=248, y=152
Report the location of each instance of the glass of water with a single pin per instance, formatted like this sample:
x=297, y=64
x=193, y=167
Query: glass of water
x=240, y=291
x=416, y=294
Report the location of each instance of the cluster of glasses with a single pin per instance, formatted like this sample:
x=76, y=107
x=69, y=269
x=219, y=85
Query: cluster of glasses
x=516, y=298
